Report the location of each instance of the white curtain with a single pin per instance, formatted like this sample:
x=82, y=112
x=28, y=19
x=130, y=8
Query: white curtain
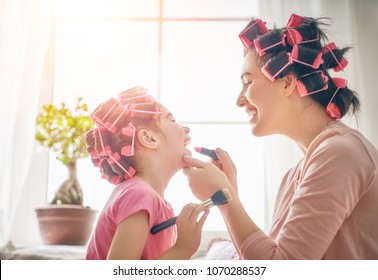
x=24, y=39
x=353, y=23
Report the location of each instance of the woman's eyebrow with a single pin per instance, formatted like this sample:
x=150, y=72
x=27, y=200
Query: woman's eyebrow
x=245, y=74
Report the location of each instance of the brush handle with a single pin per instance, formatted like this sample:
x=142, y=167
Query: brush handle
x=159, y=227
x=168, y=223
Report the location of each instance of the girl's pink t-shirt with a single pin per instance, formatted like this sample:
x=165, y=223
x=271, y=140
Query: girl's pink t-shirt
x=327, y=206
x=128, y=198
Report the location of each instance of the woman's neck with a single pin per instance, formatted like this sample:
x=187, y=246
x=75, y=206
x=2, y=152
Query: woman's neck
x=308, y=127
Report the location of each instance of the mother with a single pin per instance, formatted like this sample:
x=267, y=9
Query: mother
x=327, y=205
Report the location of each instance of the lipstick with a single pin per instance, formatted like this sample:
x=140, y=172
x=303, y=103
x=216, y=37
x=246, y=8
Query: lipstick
x=206, y=152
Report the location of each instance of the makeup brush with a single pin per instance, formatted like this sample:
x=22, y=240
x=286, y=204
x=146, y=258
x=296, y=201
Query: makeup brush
x=206, y=152
x=219, y=198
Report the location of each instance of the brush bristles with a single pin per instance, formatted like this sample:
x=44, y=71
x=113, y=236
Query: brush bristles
x=222, y=197
x=219, y=198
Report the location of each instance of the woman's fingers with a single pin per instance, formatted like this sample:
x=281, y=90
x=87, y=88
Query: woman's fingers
x=227, y=166
x=194, y=162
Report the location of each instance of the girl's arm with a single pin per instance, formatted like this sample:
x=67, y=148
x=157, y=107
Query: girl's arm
x=130, y=238
x=131, y=235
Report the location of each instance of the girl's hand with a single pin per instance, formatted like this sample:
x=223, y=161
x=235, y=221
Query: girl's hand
x=189, y=228
x=204, y=177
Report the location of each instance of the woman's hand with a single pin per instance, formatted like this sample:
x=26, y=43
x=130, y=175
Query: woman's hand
x=226, y=164
x=204, y=177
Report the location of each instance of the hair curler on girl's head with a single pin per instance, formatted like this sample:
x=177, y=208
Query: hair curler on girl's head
x=301, y=48
x=111, y=143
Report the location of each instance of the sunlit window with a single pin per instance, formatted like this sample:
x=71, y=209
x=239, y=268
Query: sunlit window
x=187, y=54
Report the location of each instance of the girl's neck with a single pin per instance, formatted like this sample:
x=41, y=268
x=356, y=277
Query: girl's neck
x=157, y=183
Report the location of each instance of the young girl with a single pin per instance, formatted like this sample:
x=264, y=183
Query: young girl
x=138, y=146
x=327, y=205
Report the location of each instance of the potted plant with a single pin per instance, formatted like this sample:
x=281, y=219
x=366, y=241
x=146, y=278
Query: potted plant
x=62, y=130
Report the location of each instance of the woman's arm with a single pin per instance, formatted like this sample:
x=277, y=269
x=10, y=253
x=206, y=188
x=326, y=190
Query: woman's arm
x=205, y=179
x=334, y=180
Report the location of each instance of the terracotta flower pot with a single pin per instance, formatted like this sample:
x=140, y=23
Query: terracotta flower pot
x=65, y=224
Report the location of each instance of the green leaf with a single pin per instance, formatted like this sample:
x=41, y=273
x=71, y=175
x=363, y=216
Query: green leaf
x=61, y=130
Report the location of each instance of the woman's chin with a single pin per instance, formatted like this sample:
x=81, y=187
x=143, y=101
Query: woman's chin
x=257, y=131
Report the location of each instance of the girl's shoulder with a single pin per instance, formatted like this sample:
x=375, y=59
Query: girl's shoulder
x=132, y=196
x=135, y=189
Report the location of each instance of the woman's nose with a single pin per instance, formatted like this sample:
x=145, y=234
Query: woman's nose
x=241, y=101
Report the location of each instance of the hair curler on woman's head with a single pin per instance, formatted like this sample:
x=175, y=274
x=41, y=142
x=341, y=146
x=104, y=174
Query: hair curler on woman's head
x=301, y=48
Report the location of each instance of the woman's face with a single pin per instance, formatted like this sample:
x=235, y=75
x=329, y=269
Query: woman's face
x=261, y=98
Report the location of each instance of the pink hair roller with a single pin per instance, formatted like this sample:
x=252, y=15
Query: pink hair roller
x=261, y=51
x=296, y=54
x=341, y=64
x=302, y=89
x=244, y=34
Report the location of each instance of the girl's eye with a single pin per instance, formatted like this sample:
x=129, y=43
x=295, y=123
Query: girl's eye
x=248, y=83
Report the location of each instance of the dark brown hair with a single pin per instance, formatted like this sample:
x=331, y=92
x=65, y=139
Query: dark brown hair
x=308, y=35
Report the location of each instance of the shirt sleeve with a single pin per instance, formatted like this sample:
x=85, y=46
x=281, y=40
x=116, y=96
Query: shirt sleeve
x=137, y=197
x=335, y=176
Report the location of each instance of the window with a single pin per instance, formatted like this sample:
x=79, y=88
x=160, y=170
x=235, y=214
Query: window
x=189, y=57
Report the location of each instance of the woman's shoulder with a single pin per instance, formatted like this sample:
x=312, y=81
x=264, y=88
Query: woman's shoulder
x=341, y=144
x=340, y=138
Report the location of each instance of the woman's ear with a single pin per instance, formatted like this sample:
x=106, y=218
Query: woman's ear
x=290, y=84
x=148, y=139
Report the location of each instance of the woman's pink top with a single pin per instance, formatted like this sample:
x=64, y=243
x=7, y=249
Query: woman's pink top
x=327, y=206
x=128, y=198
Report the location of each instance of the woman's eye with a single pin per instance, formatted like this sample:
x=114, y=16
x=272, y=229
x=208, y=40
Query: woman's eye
x=247, y=83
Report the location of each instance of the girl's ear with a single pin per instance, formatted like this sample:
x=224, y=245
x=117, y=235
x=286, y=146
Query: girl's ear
x=290, y=84
x=148, y=139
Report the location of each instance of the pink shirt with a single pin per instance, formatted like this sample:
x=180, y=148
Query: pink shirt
x=327, y=206
x=128, y=198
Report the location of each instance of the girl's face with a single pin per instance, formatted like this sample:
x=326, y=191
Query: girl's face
x=175, y=138
x=261, y=98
